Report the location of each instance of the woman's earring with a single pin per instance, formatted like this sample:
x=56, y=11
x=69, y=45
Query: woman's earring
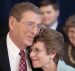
x=50, y=58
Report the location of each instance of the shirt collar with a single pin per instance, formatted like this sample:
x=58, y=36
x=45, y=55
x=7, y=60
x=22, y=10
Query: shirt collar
x=54, y=25
x=12, y=47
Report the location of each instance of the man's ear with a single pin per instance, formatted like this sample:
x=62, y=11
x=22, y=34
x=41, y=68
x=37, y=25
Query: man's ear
x=58, y=13
x=12, y=20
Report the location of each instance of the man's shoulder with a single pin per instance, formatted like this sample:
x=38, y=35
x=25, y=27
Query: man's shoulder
x=2, y=44
x=4, y=60
x=2, y=40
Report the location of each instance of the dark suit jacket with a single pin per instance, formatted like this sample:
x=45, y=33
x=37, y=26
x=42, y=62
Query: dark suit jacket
x=4, y=60
x=59, y=27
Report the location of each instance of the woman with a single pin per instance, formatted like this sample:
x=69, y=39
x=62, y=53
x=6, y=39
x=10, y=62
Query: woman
x=46, y=50
x=69, y=30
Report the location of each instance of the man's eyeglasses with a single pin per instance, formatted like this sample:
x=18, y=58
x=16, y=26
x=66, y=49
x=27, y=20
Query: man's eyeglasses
x=31, y=25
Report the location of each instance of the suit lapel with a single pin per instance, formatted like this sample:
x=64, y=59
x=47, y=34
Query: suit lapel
x=4, y=59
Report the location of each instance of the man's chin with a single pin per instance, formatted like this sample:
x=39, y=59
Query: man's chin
x=29, y=43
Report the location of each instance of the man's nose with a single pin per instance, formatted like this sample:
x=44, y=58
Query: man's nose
x=35, y=31
x=45, y=14
x=32, y=54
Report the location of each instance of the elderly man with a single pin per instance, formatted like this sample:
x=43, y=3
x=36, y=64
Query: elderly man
x=24, y=25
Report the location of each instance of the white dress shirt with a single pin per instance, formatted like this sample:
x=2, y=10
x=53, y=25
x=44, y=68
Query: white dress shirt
x=54, y=26
x=14, y=57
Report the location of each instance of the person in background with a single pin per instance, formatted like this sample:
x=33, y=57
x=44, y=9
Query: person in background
x=24, y=25
x=47, y=51
x=50, y=13
x=69, y=50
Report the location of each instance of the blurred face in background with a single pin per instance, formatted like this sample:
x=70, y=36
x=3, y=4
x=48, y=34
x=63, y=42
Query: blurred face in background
x=49, y=14
x=71, y=35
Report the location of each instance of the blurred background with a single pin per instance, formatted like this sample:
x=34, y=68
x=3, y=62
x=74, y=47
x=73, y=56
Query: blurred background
x=67, y=8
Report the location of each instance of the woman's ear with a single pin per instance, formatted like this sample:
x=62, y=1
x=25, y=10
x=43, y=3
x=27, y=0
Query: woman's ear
x=52, y=54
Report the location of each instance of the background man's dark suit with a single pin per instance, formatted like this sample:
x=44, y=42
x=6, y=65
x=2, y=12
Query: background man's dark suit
x=59, y=27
